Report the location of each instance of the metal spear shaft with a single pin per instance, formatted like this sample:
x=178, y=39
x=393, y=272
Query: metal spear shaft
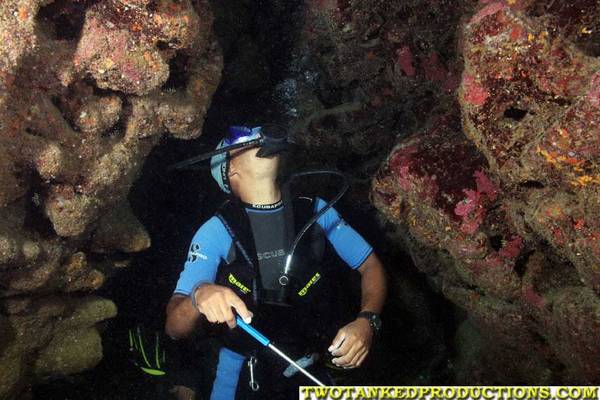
x=266, y=342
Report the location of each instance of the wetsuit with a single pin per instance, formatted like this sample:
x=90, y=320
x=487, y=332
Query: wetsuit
x=212, y=246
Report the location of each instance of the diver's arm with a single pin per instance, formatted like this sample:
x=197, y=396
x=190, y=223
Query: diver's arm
x=182, y=317
x=215, y=302
x=353, y=341
x=373, y=284
x=209, y=246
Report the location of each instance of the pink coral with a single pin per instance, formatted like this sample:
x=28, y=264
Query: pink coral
x=488, y=10
x=405, y=60
x=594, y=93
x=473, y=92
x=468, y=205
x=472, y=209
x=512, y=248
x=485, y=185
x=533, y=298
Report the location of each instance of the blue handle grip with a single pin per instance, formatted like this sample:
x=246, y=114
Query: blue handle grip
x=253, y=332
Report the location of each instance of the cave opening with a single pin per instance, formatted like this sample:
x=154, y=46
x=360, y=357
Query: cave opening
x=415, y=346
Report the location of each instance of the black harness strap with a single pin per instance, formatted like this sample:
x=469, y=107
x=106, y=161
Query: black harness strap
x=236, y=241
x=233, y=213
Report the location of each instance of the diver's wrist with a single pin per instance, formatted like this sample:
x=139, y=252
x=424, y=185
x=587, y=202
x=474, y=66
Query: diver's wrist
x=194, y=291
x=373, y=318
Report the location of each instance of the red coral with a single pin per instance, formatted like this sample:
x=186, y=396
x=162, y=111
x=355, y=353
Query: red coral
x=485, y=185
x=531, y=297
x=490, y=9
x=473, y=92
x=405, y=60
x=400, y=165
x=512, y=248
x=472, y=209
x=559, y=236
x=517, y=32
x=468, y=205
x=594, y=93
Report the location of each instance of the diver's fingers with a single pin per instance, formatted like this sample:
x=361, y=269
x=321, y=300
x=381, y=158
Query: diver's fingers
x=346, y=345
x=362, y=358
x=228, y=316
x=337, y=341
x=210, y=315
x=354, y=362
x=237, y=303
x=218, y=312
x=348, y=352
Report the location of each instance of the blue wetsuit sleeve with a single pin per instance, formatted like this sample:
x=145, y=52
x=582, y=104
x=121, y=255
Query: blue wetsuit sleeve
x=210, y=245
x=228, y=375
x=349, y=244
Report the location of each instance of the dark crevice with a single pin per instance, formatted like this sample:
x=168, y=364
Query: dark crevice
x=162, y=45
x=521, y=263
x=35, y=218
x=532, y=185
x=152, y=6
x=66, y=17
x=514, y=113
x=32, y=132
x=496, y=242
x=178, y=76
x=118, y=130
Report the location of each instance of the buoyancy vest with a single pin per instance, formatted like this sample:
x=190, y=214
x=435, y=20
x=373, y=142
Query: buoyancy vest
x=302, y=312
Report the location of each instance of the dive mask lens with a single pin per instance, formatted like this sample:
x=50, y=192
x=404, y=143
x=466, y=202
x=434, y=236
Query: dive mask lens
x=275, y=140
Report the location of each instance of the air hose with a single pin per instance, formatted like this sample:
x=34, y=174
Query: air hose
x=284, y=279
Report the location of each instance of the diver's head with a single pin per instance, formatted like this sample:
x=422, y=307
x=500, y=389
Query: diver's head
x=246, y=168
x=252, y=165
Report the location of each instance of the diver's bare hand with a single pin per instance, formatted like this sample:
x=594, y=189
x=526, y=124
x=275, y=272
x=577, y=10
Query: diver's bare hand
x=352, y=344
x=215, y=302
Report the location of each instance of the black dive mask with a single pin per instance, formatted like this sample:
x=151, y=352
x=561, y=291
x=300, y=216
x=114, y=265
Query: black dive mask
x=272, y=139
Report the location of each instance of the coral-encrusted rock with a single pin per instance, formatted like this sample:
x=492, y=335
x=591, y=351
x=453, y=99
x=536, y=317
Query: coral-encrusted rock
x=530, y=102
x=567, y=222
x=504, y=323
x=528, y=99
x=576, y=315
x=118, y=45
x=120, y=230
x=42, y=327
x=85, y=93
x=522, y=235
x=436, y=182
x=63, y=354
x=365, y=72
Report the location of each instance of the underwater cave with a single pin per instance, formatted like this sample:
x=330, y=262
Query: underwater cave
x=468, y=132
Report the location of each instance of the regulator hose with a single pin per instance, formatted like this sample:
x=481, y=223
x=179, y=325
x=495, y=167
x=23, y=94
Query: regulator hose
x=284, y=279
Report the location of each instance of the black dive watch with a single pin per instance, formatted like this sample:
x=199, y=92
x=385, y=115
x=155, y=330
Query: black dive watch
x=373, y=318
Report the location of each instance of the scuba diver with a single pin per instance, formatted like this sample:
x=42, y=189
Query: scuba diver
x=275, y=259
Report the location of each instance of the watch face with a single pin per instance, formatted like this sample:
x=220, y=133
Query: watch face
x=376, y=322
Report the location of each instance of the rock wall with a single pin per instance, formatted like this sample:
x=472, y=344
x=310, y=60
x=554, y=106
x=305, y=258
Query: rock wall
x=498, y=199
x=87, y=89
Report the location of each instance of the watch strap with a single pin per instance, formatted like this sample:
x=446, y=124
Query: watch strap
x=370, y=316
